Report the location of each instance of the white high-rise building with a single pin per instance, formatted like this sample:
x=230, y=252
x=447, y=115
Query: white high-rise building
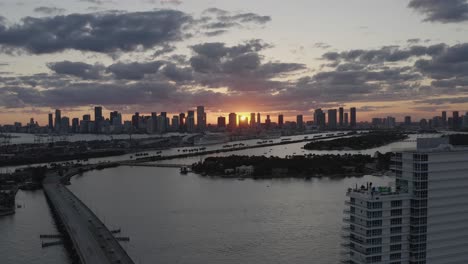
x=423, y=219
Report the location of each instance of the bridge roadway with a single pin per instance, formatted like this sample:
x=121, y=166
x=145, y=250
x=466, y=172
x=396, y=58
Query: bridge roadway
x=92, y=241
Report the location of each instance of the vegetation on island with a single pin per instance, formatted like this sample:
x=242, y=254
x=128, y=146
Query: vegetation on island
x=366, y=141
x=293, y=166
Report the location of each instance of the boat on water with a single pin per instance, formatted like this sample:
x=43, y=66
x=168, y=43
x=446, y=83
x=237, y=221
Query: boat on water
x=211, y=139
x=184, y=170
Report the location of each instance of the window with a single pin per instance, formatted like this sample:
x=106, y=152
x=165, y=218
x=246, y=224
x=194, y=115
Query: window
x=396, y=212
x=374, y=223
x=374, y=241
x=396, y=221
x=420, y=186
x=395, y=256
x=374, y=205
x=418, y=203
x=375, y=214
x=394, y=230
x=374, y=232
x=395, y=239
x=420, y=176
x=420, y=166
x=397, y=203
x=374, y=259
x=374, y=250
x=420, y=157
x=395, y=247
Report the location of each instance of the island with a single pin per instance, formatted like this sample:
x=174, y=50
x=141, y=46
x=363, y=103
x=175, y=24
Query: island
x=300, y=166
x=365, y=141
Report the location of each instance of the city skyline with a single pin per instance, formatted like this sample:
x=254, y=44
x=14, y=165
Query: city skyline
x=331, y=119
x=242, y=57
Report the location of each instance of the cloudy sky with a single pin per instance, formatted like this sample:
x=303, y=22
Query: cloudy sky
x=389, y=57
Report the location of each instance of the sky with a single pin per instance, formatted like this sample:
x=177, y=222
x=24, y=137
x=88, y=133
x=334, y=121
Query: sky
x=386, y=57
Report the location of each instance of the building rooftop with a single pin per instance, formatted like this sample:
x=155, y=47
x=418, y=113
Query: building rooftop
x=374, y=191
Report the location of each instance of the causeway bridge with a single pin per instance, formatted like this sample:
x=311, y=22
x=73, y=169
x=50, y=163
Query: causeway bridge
x=91, y=240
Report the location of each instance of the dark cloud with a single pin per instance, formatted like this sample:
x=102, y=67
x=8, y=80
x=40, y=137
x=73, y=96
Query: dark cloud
x=98, y=32
x=451, y=62
x=178, y=74
x=215, y=33
x=47, y=10
x=384, y=54
x=445, y=11
x=217, y=19
x=440, y=101
x=77, y=69
x=134, y=70
x=163, y=50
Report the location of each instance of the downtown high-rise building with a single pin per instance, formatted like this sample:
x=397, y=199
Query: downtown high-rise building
x=232, y=121
x=341, y=116
x=51, y=121
x=253, y=122
x=319, y=118
x=299, y=122
x=98, y=118
x=201, y=118
x=221, y=122
x=423, y=218
x=280, y=120
x=332, y=119
x=352, y=116
x=444, y=119
x=58, y=119
x=455, y=120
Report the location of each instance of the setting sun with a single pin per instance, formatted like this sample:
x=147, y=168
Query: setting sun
x=242, y=118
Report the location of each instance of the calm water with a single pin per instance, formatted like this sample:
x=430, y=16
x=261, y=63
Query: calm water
x=173, y=218
x=19, y=233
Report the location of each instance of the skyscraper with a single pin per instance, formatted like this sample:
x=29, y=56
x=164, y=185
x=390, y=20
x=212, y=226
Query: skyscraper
x=58, y=119
x=175, y=123
x=232, y=121
x=352, y=123
x=319, y=118
x=201, y=118
x=300, y=122
x=136, y=120
x=98, y=118
x=268, y=122
x=346, y=119
x=280, y=120
x=253, y=123
x=444, y=118
x=332, y=118
x=221, y=122
x=75, y=125
x=181, y=120
x=243, y=122
x=455, y=120
x=259, y=121
x=113, y=115
x=423, y=219
x=341, y=116
x=51, y=121
x=407, y=120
